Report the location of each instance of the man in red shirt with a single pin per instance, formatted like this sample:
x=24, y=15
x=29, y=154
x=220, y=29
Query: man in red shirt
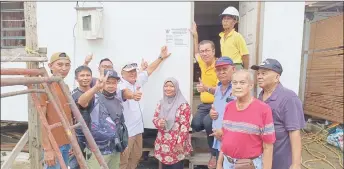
x=248, y=129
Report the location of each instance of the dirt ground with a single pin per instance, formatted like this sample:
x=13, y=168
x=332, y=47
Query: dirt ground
x=151, y=163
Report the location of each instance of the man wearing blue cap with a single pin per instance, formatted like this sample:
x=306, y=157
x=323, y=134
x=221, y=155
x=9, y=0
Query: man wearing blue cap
x=287, y=114
x=224, y=68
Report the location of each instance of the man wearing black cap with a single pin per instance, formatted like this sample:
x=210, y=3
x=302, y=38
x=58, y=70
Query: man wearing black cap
x=288, y=115
x=105, y=94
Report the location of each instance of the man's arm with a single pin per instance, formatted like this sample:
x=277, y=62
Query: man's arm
x=267, y=155
x=163, y=55
x=151, y=68
x=194, y=33
x=293, y=118
x=85, y=98
x=220, y=161
x=246, y=61
x=296, y=148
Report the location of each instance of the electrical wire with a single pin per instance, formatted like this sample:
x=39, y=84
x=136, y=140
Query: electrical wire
x=319, y=138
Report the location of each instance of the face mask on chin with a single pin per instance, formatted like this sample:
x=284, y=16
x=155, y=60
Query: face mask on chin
x=109, y=95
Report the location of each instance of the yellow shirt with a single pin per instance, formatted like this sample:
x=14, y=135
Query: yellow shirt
x=233, y=46
x=209, y=79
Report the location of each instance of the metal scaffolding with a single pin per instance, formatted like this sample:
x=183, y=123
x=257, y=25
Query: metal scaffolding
x=38, y=82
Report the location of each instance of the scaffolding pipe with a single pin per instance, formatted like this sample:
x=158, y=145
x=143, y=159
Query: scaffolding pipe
x=28, y=80
x=23, y=59
x=44, y=122
x=22, y=71
x=92, y=144
x=3, y=95
x=73, y=141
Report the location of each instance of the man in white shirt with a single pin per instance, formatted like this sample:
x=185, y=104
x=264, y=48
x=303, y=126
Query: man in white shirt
x=133, y=80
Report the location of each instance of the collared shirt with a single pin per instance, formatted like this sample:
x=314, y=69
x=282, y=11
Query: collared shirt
x=209, y=78
x=288, y=116
x=233, y=46
x=245, y=131
x=133, y=109
x=220, y=102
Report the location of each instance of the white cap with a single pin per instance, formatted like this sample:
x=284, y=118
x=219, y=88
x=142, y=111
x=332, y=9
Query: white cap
x=130, y=66
x=230, y=11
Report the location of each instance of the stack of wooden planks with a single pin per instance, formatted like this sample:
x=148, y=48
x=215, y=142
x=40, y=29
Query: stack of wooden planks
x=324, y=78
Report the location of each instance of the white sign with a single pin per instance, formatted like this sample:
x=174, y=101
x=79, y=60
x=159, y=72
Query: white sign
x=177, y=37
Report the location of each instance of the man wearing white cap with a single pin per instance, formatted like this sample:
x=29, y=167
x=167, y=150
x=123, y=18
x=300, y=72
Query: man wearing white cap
x=232, y=43
x=133, y=80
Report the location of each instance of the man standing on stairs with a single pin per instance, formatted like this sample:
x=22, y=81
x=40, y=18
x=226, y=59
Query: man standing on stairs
x=232, y=43
x=133, y=80
x=287, y=114
x=59, y=65
x=223, y=95
x=205, y=56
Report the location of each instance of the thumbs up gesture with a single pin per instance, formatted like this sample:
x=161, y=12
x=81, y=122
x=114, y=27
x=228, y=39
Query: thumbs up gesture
x=213, y=113
x=137, y=94
x=200, y=87
x=162, y=123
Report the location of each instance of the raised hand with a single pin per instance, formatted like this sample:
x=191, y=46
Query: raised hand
x=101, y=80
x=144, y=65
x=88, y=58
x=193, y=29
x=164, y=52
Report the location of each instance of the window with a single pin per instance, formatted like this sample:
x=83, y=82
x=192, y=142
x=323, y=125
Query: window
x=86, y=22
x=12, y=25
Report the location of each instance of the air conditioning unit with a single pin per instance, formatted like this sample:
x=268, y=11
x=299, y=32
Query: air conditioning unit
x=90, y=22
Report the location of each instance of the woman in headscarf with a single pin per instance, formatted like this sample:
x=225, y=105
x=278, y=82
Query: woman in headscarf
x=172, y=119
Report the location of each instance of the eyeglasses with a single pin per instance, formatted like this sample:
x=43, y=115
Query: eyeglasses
x=129, y=66
x=205, y=51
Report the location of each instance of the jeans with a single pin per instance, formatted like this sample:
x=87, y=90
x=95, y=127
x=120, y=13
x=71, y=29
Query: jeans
x=64, y=149
x=258, y=163
x=178, y=165
x=203, y=121
x=73, y=162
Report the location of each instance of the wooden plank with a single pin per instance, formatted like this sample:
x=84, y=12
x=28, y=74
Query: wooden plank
x=329, y=33
x=33, y=118
x=17, y=149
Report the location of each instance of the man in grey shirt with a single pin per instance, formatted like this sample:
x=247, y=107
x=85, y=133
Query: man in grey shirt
x=287, y=114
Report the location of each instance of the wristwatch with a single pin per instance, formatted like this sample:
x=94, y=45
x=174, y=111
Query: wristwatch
x=208, y=89
x=160, y=57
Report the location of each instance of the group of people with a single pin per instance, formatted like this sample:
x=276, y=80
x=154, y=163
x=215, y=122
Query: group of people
x=243, y=132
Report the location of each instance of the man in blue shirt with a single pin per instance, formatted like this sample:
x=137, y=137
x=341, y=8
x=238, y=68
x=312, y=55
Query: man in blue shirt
x=224, y=68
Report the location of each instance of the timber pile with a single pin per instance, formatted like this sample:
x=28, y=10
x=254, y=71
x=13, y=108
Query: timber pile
x=11, y=132
x=324, y=78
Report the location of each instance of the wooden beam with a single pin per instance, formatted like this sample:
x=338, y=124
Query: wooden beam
x=17, y=149
x=33, y=118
